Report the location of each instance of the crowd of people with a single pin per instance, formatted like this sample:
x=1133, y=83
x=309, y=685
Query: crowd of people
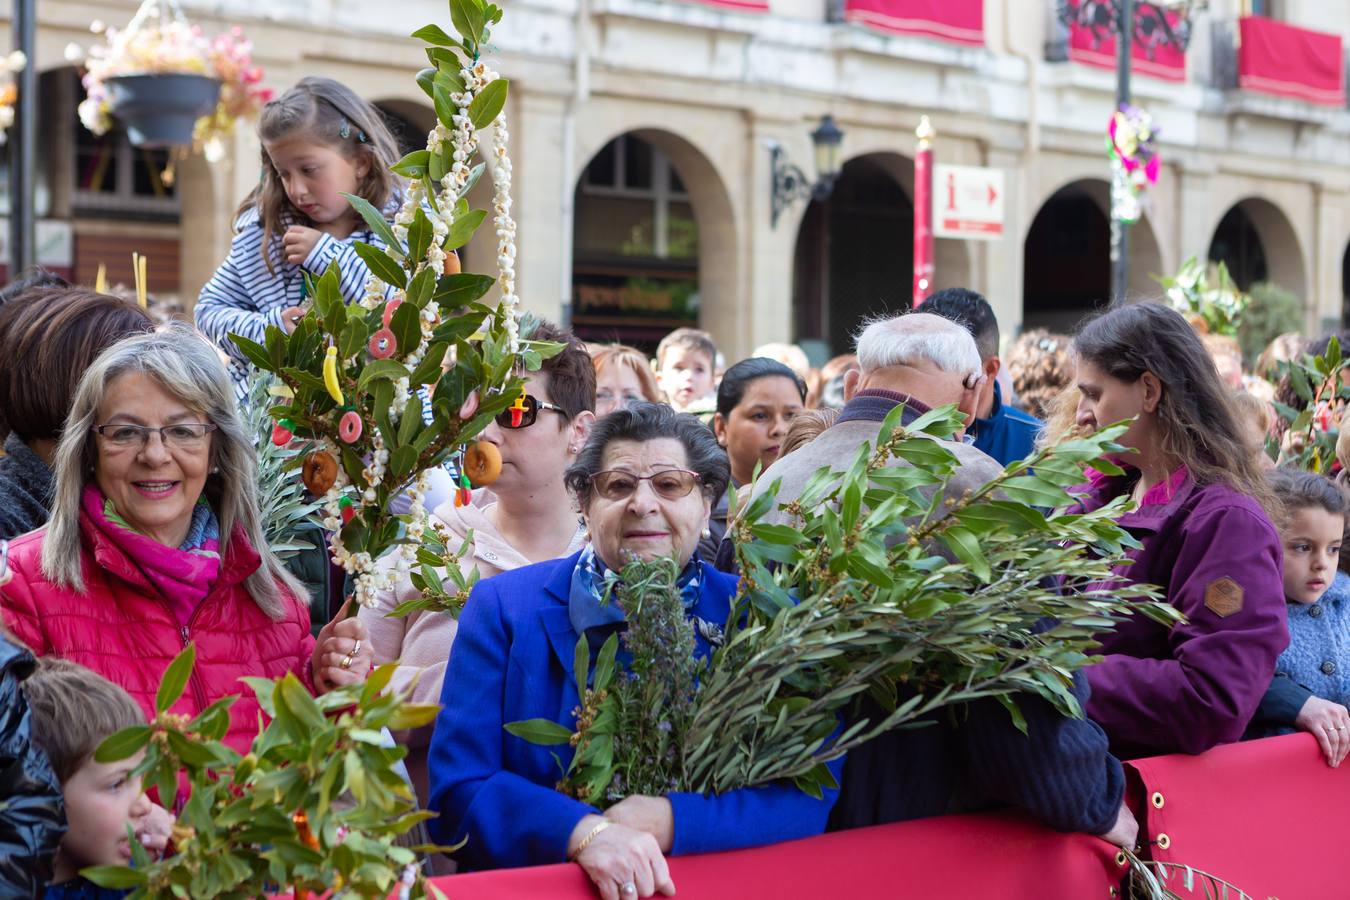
x=128, y=507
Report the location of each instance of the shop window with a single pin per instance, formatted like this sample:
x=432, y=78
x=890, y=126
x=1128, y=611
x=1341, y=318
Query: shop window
x=111, y=176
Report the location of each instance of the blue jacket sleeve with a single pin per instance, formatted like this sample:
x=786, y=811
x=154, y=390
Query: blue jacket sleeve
x=229, y=302
x=508, y=820
x=749, y=817
x=1282, y=702
x=1060, y=771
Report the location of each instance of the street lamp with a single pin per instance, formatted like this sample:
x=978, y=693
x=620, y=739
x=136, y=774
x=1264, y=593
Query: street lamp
x=790, y=182
x=1129, y=20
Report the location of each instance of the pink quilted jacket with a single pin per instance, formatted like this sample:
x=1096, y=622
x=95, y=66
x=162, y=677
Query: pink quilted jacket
x=123, y=629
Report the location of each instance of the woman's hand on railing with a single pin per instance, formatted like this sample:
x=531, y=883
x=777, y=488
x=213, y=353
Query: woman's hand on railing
x=1330, y=724
x=625, y=863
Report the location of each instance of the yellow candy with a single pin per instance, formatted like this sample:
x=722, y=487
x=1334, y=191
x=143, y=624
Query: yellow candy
x=330, y=378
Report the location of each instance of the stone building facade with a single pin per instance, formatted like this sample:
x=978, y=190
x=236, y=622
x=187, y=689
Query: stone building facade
x=642, y=132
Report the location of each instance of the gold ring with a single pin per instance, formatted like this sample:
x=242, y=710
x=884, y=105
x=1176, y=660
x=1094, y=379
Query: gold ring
x=346, y=661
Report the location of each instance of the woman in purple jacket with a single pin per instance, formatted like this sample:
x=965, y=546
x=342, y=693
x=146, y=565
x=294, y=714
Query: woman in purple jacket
x=1201, y=517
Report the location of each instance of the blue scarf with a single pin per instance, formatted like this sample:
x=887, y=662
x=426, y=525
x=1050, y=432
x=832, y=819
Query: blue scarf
x=592, y=614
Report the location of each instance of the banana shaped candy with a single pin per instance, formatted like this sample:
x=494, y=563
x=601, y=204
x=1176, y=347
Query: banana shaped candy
x=330, y=377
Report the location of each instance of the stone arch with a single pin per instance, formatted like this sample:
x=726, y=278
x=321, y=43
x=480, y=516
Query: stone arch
x=854, y=251
x=1067, y=257
x=695, y=183
x=409, y=120
x=1257, y=241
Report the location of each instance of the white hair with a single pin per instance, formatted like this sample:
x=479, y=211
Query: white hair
x=914, y=337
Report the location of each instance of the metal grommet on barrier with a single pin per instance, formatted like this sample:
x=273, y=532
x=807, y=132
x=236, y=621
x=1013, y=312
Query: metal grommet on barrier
x=1114, y=892
x=1121, y=858
x=1157, y=800
x=1163, y=842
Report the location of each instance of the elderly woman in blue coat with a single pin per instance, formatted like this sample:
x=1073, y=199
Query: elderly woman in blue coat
x=646, y=482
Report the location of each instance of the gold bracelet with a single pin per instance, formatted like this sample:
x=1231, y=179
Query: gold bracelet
x=590, y=836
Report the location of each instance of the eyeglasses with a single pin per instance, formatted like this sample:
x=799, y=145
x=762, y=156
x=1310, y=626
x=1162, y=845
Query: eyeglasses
x=672, y=484
x=182, y=436
x=524, y=412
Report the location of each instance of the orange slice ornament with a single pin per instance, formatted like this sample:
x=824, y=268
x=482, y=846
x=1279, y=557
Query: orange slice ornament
x=482, y=463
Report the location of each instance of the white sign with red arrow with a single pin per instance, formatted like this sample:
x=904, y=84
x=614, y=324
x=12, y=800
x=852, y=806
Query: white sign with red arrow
x=967, y=202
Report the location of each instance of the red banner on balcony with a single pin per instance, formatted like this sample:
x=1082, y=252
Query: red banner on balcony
x=738, y=5
x=1154, y=59
x=1275, y=58
x=954, y=21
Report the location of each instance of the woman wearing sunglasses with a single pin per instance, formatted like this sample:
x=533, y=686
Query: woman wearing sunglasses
x=526, y=516
x=646, y=483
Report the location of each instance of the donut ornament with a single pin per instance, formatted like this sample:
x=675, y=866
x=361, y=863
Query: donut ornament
x=319, y=472
x=382, y=344
x=482, y=463
x=451, y=266
x=389, y=309
x=349, y=427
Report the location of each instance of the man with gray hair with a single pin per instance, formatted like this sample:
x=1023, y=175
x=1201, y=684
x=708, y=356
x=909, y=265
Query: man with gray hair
x=1061, y=770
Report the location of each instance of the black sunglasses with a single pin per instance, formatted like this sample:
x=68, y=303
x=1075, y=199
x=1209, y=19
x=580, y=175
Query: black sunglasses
x=524, y=412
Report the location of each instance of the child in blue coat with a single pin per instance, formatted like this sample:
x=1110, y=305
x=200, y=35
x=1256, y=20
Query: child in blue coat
x=319, y=141
x=1311, y=687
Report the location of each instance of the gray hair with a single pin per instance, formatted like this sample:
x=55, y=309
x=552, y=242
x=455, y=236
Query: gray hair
x=912, y=337
x=643, y=422
x=188, y=368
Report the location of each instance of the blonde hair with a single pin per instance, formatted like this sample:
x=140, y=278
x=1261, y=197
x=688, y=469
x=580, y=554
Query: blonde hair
x=1061, y=418
x=335, y=116
x=181, y=362
x=606, y=355
x=806, y=427
x=75, y=709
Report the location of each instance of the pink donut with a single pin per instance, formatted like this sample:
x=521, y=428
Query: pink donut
x=349, y=427
x=382, y=344
x=389, y=310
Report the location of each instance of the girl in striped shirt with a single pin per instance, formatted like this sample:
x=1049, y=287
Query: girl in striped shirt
x=319, y=141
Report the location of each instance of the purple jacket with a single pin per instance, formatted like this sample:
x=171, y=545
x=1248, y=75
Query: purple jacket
x=1217, y=556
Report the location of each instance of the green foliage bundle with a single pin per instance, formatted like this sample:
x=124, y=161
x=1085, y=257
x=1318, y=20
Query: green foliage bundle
x=1322, y=390
x=315, y=804
x=878, y=587
x=1207, y=292
x=285, y=508
x=1273, y=311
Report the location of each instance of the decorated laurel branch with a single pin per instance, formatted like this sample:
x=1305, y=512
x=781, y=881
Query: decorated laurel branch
x=385, y=390
x=878, y=586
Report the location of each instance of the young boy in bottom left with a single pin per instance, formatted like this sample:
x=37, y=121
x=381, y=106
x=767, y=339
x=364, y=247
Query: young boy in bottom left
x=73, y=711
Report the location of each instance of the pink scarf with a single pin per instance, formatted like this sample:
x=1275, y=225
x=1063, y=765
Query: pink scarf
x=183, y=576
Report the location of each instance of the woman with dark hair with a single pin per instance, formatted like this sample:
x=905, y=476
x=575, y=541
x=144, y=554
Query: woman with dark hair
x=646, y=481
x=57, y=332
x=755, y=404
x=527, y=516
x=1201, y=499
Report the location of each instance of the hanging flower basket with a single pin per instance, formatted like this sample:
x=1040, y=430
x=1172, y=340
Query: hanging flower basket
x=161, y=69
x=161, y=110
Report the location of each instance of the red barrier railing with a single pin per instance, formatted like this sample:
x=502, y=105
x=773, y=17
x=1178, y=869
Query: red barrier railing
x=1268, y=816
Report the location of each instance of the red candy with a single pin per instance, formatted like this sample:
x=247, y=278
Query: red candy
x=389, y=310
x=349, y=427
x=281, y=435
x=382, y=344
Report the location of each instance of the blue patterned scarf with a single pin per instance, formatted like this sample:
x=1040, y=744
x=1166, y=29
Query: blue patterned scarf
x=592, y=614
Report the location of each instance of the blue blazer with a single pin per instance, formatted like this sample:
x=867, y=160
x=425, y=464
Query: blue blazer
x=512, y=660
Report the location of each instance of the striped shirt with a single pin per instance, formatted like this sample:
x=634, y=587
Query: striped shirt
x=244, y=298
